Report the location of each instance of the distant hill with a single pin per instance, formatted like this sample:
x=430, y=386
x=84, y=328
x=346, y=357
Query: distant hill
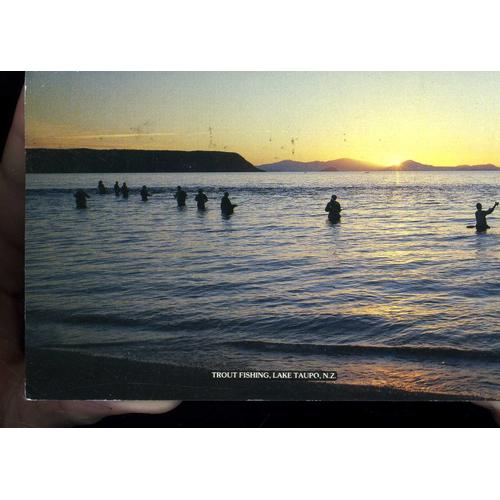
x=410, y=165
x=350, y=165
x=127, y=160
x=294, y=166
x=340, y=165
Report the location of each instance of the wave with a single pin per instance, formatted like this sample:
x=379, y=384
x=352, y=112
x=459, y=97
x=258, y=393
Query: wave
x=165, y=343
x=440, y=353
x=179, y=345
x=162, y=324
x=171, y=320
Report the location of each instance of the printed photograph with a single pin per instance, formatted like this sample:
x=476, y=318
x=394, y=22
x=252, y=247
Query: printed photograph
x=262, y=235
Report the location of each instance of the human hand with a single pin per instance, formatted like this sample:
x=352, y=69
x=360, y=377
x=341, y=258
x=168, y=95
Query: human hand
x=15, y=410
x=494, y=407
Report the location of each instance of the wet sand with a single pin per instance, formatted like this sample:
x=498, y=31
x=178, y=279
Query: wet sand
x=63, y=375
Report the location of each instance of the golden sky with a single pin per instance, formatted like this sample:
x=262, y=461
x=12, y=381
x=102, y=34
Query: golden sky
x=384, y=117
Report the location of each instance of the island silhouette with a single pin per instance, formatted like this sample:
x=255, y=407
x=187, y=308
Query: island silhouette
x=68, y=161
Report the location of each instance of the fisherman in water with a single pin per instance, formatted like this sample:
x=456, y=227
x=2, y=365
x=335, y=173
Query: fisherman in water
x=81, y=198
x=226, y=207
x=145, y=193
x=125, y=190
x=116, y=187
x=201, y=199
x=333, y=208
x=180, y=195
x=101, y=188
x=481, y=224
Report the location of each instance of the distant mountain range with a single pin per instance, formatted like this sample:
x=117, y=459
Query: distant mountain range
x=127, y=160
x=415, y=166
x=349, y=165
x=342, y=164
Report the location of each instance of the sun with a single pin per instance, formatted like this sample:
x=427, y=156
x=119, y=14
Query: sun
x=394, y=162
x=390, y=160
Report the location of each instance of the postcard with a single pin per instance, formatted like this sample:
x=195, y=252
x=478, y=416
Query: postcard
x=262, y=235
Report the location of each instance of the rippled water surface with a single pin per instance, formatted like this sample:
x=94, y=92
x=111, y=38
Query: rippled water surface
x=399, y=294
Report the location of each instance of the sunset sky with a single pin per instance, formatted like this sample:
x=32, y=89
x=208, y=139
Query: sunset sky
x=385, y=118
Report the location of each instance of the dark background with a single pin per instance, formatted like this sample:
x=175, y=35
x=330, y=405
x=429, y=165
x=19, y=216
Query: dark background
x=276, y=414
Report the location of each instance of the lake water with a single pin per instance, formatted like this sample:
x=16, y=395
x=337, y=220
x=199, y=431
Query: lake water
x=400, y=294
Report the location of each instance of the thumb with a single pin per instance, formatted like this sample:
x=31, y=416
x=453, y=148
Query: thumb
x=70, y=413
x=88, y=412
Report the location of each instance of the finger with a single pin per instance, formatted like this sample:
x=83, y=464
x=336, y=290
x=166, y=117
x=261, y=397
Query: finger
x=71, y=413
x=13, y=155
x=11, y=259
x=12, y=182
x=11, y=342
x=87, y=412
x=494, y=407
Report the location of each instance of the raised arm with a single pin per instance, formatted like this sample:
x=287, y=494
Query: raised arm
x=492, y=208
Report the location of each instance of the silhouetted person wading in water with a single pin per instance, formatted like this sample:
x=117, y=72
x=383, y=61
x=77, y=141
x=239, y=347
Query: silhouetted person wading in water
x=481, y=224
x=81, y=198
x=101, y=188
x=116, y=187
x=124, y=190
x=226, y=207
x=180, y=196
x=201, y=199
x=333, y=208
x=145, y=193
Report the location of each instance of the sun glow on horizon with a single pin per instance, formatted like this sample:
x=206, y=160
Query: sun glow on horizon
x=395, y=162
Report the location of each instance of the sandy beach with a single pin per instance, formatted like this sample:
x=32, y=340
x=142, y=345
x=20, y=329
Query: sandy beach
x=70, y=375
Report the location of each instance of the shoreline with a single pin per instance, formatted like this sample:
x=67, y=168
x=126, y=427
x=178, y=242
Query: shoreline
x=65, y=375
